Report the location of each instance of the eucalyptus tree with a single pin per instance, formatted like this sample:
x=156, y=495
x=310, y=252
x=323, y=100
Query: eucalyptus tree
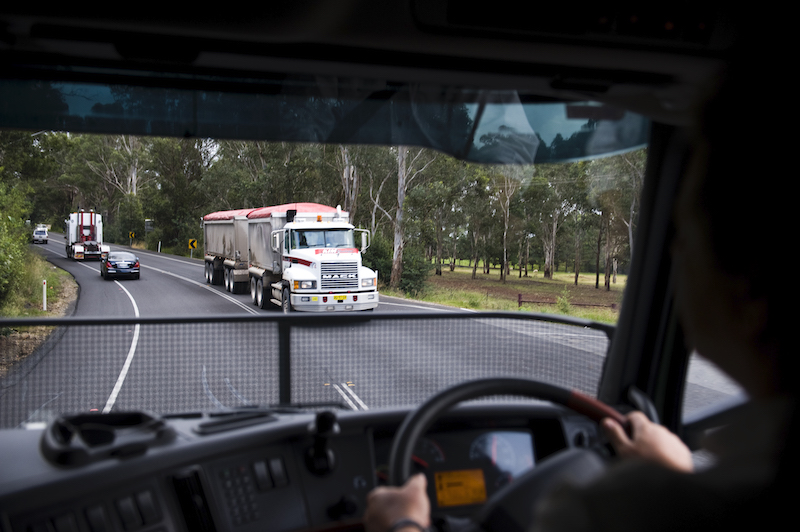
x=178, y=200
x=616, y=184
x=437, y=199
x=506, y=182
x=411, y=163
x=476, y=209
x=555, y=191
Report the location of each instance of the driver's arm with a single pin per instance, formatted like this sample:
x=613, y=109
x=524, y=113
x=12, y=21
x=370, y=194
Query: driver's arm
x=390, y=506
x=649, y=441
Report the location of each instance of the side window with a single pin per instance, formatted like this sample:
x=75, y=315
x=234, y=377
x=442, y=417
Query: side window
x=706, y=385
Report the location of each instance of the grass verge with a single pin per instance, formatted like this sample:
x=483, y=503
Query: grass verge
x=26, y=302
x=559, y=295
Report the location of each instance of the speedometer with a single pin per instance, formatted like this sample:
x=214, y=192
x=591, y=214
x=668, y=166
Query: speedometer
x=496, y=448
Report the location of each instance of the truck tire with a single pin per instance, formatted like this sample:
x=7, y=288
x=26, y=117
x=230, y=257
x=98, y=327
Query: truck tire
x=253, y=286
x=286, y=302
x=261, y=301
x=208, y=273
x=216, y=276
x=226, y=280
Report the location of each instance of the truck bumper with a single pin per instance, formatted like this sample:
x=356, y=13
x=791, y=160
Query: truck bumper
x=335, y=302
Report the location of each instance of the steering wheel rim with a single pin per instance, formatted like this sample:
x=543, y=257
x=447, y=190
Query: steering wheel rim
x=419, y=421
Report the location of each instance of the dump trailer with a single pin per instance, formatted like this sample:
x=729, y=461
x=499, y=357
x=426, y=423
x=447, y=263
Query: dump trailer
x=84, y=236
x=300, y=256
x=226, y=249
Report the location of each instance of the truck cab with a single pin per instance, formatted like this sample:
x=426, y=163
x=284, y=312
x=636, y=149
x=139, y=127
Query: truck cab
x=321, y=265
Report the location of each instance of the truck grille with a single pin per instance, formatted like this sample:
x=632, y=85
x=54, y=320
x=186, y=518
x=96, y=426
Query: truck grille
x=339, y=276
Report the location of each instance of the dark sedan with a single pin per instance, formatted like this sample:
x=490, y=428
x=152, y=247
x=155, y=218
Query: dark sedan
x=119, y=264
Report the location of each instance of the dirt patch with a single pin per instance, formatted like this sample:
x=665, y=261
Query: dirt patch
x=533, y=288
x=17, y=345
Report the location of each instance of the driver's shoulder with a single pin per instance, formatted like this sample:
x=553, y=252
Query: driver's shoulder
x=642, y=496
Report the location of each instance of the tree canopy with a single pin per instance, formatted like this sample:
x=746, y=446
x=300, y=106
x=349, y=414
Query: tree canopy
x=414, y=200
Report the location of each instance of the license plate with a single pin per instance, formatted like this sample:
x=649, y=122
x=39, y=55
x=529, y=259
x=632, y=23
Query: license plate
x=340, y=298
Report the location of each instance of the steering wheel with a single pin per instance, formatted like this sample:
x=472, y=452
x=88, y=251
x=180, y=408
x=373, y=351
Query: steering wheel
x=511, y=507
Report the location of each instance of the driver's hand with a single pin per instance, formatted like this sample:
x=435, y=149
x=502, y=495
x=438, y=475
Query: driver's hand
x=388, y=505
x=649, y=441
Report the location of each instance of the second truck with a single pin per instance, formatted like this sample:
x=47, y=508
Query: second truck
x=84, y=236
x=298, y=256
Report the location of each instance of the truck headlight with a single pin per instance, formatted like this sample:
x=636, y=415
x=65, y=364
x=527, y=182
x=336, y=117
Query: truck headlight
x=305, y=285
x=368, y=282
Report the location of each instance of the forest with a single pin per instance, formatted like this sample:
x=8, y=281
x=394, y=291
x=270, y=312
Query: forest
x=426, y=210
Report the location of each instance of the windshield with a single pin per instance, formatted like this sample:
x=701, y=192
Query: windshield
x=553, y=234
x=309, y=238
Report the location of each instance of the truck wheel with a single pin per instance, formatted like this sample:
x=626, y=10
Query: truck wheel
x=261, y=301
x=286, y=303
x=215, y=276
x=207, y=274
x=226, y=280
x=253, y=286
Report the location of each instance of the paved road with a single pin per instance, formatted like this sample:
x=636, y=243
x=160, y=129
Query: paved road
x=366, y=364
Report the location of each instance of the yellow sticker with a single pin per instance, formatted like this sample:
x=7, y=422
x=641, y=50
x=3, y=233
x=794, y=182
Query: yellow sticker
x=314, y=298
x=456, y=488
x=340, y=298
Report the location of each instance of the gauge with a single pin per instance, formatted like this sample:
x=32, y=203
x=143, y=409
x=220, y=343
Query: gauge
x=496, y=448
x=427, y=454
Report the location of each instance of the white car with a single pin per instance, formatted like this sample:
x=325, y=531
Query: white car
x=39, y=235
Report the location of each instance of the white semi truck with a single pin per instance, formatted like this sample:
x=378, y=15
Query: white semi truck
x=299, y=256
x=84, y=236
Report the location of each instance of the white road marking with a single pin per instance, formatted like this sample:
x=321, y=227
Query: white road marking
x=242, y=399
x=383, y=302
x=344, y=396
x=208, y=391
x=124, y=373
x=248, y=308
x=356, y=398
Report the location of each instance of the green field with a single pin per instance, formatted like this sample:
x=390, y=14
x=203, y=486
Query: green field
x=559, y=295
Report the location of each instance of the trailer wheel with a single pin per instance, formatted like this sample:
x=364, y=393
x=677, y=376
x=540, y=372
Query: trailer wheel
x=226, y=280
x=263, y=302
x=253, y=287
x=215, y=276
x=208, y=273
x=286, y=302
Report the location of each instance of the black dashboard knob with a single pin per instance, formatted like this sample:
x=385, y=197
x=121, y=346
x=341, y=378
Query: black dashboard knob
x=346, y=506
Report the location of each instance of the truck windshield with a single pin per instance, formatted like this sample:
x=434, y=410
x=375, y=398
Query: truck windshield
x=315, y=238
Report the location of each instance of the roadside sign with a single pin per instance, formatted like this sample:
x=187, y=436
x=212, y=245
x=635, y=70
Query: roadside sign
x=193, y=243
x=131, y=235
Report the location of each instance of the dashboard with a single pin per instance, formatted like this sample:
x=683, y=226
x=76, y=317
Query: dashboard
x=266, y=471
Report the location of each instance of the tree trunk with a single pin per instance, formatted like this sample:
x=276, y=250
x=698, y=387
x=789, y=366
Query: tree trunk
x=351, y=181
x=608, y=255
x=438, y=248
x=397, y=254
x=597, y=256
x=577, y=254
x=527, y=253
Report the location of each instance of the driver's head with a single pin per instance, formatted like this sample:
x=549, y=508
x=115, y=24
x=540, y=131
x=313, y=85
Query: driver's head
x=733, y=246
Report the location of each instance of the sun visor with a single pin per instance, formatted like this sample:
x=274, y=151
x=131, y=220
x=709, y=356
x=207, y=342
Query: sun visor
x=485, y=126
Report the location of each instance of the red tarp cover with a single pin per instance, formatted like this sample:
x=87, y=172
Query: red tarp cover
x=227, y=215
x=267, y=212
